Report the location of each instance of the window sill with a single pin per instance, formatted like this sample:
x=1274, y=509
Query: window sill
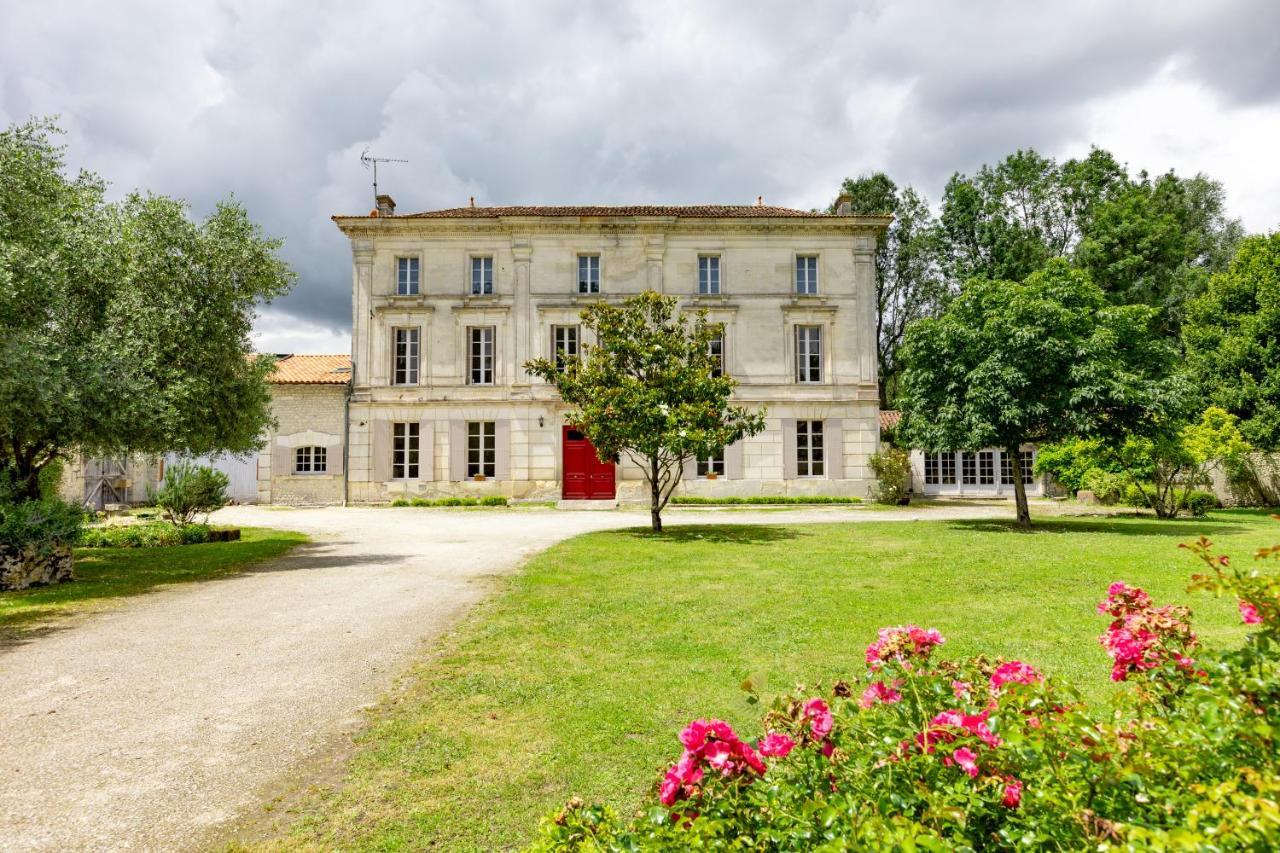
x=400, y=303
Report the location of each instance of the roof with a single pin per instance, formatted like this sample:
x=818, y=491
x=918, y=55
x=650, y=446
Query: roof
x=889, y=418
x=311, y=370
x=694, y=211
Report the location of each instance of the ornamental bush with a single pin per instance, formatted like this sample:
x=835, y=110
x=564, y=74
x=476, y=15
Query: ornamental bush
x=46, y=523
x=189, y=489
x=983, y=754
x=892, y=467
x=153, y=534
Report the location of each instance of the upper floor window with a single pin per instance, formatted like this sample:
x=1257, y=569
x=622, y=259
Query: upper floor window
x=482, y=276
x=809, y=450
x=588, y=273
x=708, y=275
x=713, y=464
x=481, y=354
x=482, y=456
x=310, y=460
x=564, y=345
x=808, y=353
x=406, y=276
x=404, y=450
x=807, y=274
x=406, y=357
x=715, y=349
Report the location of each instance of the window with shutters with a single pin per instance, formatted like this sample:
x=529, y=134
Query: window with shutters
x=481, y=355
x=709, y=275
x=404, y=451
x=482, y=448
x=588, y=273
x=482, y=276
x=809, y=452
x=808, y=353
x=310, y=460
x=405, y=370
x=407, y=276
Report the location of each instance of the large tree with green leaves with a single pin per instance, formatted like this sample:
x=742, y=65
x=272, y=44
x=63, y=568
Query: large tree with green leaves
x=1232, y=340
x=124, y=326
x=909, y=277
x=649, y=388
x=1014, y=362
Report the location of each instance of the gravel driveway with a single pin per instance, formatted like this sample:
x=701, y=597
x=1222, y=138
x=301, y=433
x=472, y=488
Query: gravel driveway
x=154, y=725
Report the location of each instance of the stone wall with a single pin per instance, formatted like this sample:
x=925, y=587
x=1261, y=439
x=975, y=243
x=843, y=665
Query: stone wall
x=33, y=565
x=308, y=416
x=1262, y=489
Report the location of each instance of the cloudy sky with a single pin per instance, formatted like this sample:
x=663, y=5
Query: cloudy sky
x=612, y=102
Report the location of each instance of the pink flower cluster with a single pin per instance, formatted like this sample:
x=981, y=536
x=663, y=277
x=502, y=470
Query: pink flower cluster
x=1014, y=672
x=902, y=643
x=1142, y=636
x=878, y=692
x=709, y=744
x=1249, y=613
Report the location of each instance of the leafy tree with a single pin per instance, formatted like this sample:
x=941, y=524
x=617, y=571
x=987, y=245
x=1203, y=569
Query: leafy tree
x=1232, y=339
x=909, y=280
x=123, y=326
x=1043, y=360
x=649, y=389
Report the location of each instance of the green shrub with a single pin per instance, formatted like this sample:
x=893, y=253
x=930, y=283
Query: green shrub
x=764, y=500
x=892, y=467
x=1199, y=503
x=989, y=755
x=491, y=500
x=189, y=489
x=47, y=523
x=1069, y=462
x=1108, y=487
x=151, y=534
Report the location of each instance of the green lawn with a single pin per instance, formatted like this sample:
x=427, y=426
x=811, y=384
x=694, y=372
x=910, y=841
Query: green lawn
x=106, y=575
x=577, y=678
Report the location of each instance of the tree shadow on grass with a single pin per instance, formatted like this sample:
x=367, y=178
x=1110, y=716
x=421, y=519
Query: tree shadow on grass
x=1187, y=529
x=740, y=534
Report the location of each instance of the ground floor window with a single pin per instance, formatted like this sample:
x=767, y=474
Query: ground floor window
x=948, y=469
x=986, y=468
x=404, y=451
x=712, y=465
x=969, y=469
x=931, y=469
x=310, y=460
x=809, y=456
x=482, y=449
x=1028, y=463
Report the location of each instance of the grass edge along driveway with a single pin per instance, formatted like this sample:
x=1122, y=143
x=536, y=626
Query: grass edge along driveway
x=576, y=678
x=105, y=577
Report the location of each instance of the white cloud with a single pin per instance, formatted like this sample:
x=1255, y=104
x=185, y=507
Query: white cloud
x=278, y=332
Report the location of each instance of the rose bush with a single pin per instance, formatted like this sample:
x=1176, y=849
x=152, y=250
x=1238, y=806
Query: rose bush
x=979, y=754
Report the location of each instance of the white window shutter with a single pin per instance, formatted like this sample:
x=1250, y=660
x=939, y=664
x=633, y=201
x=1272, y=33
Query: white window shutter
x=333, y=459
x=381, y=451
x=502, y=449
x=281, y=460
x=733, y=460
x=833, y=445
x=426, y=449
x=690, y=468
x=457, y=450
x=788, y=448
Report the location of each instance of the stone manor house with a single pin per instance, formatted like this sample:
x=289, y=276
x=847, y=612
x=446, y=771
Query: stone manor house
x=448, y=305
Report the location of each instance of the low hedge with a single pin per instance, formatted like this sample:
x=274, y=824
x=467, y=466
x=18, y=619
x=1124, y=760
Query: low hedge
x=153, y=534
x=46, y=523
x=491, y=500
x=763, y=500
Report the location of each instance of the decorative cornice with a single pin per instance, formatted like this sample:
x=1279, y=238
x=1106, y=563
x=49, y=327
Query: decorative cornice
x=357, y=227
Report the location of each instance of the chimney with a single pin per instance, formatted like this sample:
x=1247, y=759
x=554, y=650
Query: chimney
x=386, y=205
x=844, y=205
x=473, y=202
x=759, y=201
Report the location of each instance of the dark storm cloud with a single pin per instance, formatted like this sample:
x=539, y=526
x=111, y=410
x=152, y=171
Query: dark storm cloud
x=584, y=102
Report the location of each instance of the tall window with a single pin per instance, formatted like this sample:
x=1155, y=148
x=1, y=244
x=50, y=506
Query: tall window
x=713, y=464
x=588, y=273
x=931, y=469
x=406, y=276
x=809, y=457
x=986, y=468
x=482, y=448
x=1006, y=470
x=564, y=345
x=709, y=274
x=404, y=451
x=715, y=349
x=969, y=469
x=948, y=469
x=406, y=357
x=808, y=353
x=482, y=276
x=1028, y=463
x=807, y=274
x=310, y=460
x=481, y=346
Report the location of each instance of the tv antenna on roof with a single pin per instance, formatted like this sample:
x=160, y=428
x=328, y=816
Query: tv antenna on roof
x=372, y=162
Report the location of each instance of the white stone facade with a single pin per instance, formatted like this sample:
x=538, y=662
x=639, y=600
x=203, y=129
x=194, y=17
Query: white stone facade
x=308, y=416
x=535, y=273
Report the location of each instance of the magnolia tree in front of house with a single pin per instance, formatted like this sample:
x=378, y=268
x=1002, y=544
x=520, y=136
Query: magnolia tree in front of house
x=1008, y=363
x=651, y=389
x=980, y=754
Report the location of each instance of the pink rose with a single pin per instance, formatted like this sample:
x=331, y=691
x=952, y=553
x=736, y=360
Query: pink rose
x=1249, y=613
x=967, y=761
x=776, y=745
x=819, y=716
x=880, y=692
x=1014, y=672
x=1012, y=793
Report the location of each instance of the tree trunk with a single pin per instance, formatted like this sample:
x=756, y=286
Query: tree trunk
x=655, y=496
x=1019, y=487
x=25, y=478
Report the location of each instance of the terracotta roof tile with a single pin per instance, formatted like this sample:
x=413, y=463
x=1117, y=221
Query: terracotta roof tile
x=889, y=418
x=312, y=370
x=696, y=211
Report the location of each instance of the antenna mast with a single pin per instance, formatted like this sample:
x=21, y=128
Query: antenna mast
x=372, y=162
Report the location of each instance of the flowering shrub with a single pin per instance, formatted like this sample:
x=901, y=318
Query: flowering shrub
x=937, y=754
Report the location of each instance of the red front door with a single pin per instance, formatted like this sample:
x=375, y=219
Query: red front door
x=585, y=476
